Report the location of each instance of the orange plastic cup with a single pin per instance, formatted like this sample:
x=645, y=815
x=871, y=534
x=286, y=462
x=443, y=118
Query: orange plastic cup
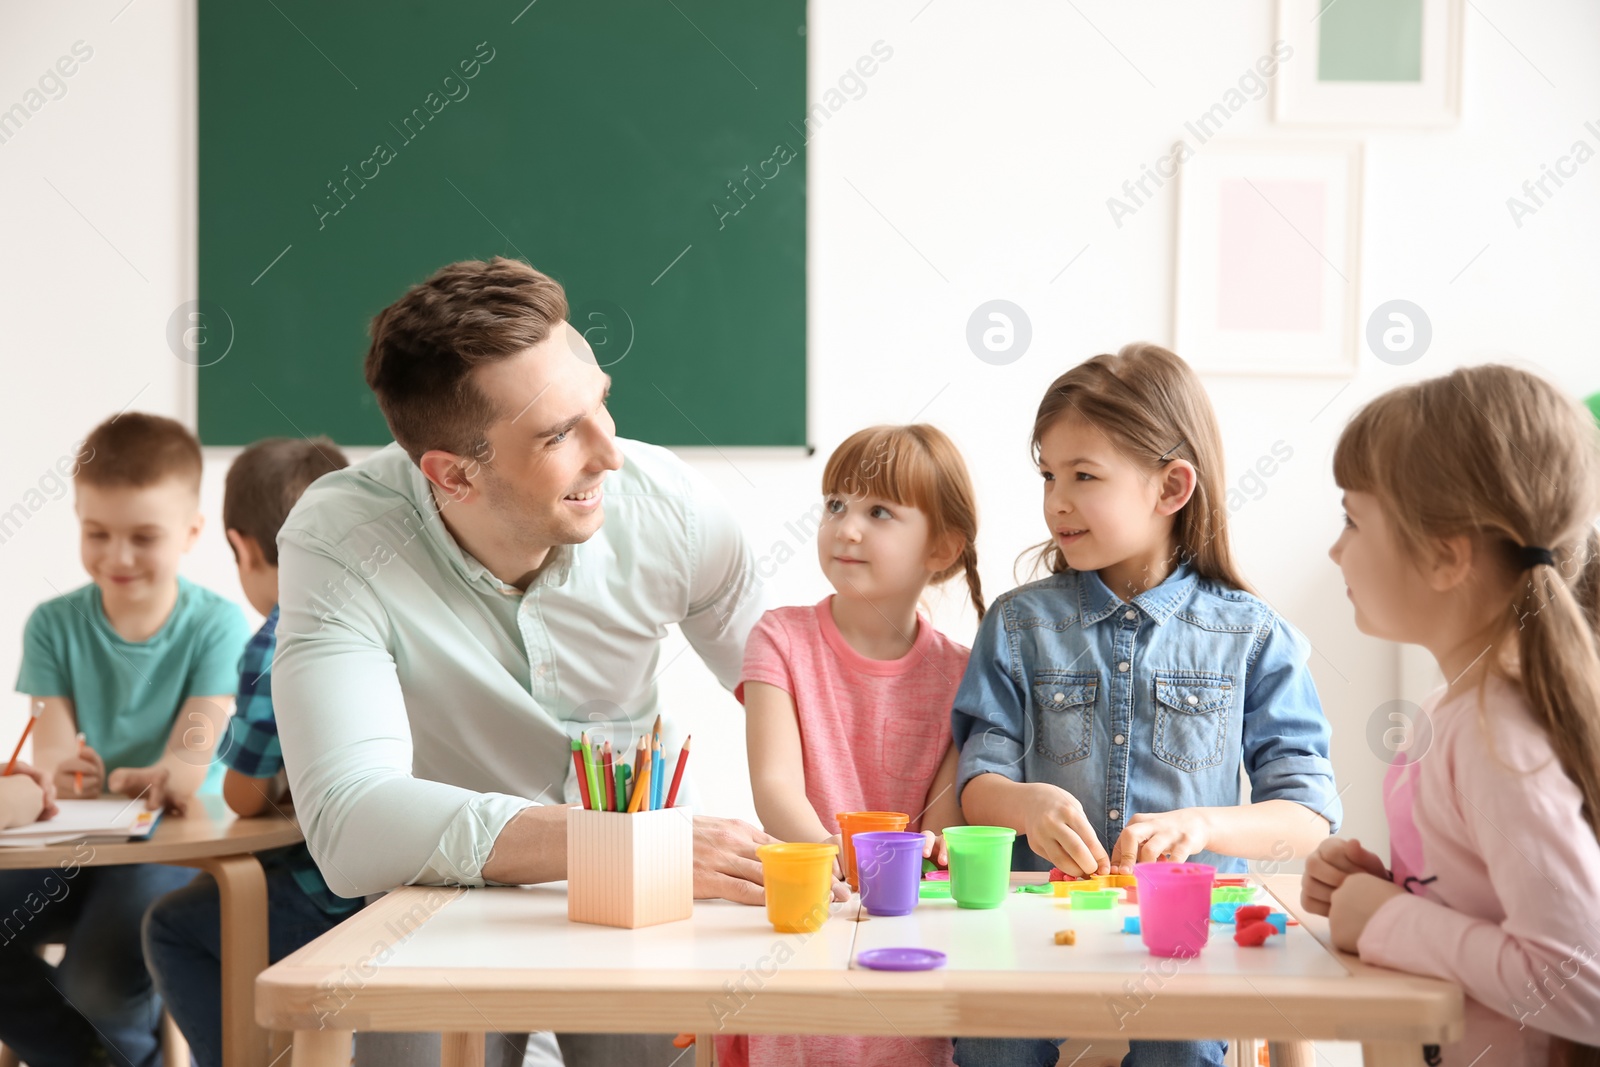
x=861, y=822
x=799, y=882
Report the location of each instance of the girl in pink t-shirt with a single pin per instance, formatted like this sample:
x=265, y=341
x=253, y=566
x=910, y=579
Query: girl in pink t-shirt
x=847, y=702
x=1470, y=505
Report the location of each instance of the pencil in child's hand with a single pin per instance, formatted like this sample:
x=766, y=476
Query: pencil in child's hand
x=677, y=773
x=611, y=785
x=77, y=776
x=583, y=778
x=11, y=764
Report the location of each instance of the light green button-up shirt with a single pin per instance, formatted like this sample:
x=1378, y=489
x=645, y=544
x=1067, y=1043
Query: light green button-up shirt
x=422, y=702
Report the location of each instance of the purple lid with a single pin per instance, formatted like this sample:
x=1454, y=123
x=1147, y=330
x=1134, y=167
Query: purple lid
x=901, y=959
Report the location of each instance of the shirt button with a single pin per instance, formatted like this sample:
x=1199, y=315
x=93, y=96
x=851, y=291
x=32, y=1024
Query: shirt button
x=1119, y=739
x=541, y=671
x=1059, y=697
x=1115, y=813
x=1123, y=666
x=1191, y=699
x=1130, y=614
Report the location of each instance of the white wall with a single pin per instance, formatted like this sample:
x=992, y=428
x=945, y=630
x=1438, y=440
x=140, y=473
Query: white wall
x=990, y=142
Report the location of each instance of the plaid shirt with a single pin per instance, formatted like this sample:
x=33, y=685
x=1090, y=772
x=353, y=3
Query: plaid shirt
x=252, y=749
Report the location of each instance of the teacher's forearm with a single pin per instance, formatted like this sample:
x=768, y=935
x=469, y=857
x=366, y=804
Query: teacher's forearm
x=532, y=847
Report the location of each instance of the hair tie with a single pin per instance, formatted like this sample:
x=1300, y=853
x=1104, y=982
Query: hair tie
x=1531, y=556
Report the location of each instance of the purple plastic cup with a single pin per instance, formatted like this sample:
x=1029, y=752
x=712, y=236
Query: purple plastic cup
x=1174, y=907
x=889, y=866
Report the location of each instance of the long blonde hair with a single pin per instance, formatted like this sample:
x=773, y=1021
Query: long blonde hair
x=1152, y=406
x=1502, y=455
x=916, y=466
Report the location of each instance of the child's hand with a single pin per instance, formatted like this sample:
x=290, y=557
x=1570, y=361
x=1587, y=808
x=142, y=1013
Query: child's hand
x=47, y=790
x=934, y=848
x=1354, y=903
x=81, y=776
x=22, y=799
x=1149, y=836
x=1335, y=860
x=148, y=782
x=1059, y=831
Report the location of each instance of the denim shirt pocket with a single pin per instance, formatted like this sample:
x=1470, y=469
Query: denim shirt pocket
x=1192, y=709
x=1063, y=708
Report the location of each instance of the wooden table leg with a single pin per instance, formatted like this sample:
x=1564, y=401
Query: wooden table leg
x=1291, y=1054
x=242, y=899
x=1391, y=1053
x=322, y=1048
x=460, y=1049
x=705, y=1050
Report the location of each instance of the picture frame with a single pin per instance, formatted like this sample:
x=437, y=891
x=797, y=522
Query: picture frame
x=1370, y=63
x=1267, y=257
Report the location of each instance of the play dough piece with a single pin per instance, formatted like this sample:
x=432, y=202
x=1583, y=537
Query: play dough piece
x=1254, y=934
x=1066, y=937
x=1251, y=913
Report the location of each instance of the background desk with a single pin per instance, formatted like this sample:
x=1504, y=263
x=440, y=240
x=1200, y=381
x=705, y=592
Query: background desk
x=208, y=836
x=468, y=961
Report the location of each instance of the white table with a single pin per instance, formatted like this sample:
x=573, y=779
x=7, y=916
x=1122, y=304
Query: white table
x=469, y=961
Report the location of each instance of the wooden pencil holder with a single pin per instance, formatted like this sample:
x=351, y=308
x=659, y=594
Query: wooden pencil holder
x=630, y=870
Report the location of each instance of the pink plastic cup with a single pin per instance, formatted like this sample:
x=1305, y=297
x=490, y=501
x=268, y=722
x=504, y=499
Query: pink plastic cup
x=1174, y=907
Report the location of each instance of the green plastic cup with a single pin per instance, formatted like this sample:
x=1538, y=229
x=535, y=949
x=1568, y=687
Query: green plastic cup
x=980, y=864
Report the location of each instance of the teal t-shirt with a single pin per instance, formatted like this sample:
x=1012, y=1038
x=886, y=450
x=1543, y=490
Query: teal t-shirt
x=127, y=693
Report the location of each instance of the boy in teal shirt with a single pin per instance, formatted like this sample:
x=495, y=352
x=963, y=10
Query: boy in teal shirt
x=134, y=677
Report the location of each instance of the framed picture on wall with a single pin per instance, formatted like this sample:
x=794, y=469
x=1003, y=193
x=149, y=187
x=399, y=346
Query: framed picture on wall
x=1267, y=259
x=1370, y=63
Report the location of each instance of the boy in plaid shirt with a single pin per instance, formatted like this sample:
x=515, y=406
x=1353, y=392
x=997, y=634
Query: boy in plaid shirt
x=182, y=930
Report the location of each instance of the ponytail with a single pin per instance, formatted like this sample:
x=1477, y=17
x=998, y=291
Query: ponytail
x=969, y=563
x=1560, y=664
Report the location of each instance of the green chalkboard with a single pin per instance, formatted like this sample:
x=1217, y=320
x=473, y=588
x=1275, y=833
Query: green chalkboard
x=649, y=154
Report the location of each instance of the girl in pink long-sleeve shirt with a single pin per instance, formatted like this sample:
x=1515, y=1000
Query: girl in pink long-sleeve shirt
x=1470, y=506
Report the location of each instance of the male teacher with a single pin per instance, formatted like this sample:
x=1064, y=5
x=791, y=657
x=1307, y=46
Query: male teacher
x=456, y=608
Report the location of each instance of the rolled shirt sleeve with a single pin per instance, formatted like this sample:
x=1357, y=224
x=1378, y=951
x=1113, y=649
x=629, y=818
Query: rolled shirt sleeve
x=347, y=744
x=1286, y=734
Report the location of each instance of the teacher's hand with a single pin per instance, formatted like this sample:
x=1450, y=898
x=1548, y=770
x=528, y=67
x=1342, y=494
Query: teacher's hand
x=725, y=863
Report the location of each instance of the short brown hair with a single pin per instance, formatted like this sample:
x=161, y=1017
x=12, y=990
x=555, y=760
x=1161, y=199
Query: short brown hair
x=265, y=481
x=426, y=344
x=136, y=450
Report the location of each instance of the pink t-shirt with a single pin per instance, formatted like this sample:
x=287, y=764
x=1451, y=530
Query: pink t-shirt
x=873, y=733
x=1503, y=880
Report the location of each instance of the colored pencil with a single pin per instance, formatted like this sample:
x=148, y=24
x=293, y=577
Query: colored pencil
x=11, y=764
x=77, y=776
x=611, y=784
x=641, y=792
x=620, y=785
x=597, y=791
x=583, y=777
x=677, y=773
x=638, y=766
x=658, y=775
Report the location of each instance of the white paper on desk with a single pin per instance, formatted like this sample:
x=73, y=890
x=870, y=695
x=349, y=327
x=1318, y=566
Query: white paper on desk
x=114, y=817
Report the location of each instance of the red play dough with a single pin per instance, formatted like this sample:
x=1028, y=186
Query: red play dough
x=1253, y=934
x=1252, y=913
x=1057, y=875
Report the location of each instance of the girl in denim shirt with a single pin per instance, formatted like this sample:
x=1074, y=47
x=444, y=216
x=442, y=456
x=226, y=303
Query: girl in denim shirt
x=1111, y=705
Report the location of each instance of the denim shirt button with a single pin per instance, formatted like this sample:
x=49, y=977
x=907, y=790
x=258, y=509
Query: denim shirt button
x=1114, y=813
x=1123, y=666
x=1130, y=614
x=1058, y=697
x=1191, y=699
x=1118, y=740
